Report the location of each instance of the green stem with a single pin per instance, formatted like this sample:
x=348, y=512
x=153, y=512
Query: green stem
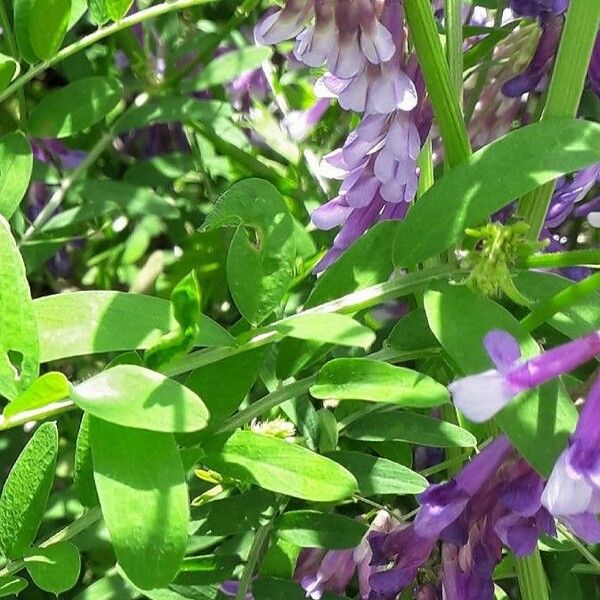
x=555, y=260
x=438, y=80
x=87, y=519
x=260, y=539
x=454, y=44
x=564, y=94
x=531, y=576
x=580, y=547
x=561, y=301
x=263, y=336
x=96, y=36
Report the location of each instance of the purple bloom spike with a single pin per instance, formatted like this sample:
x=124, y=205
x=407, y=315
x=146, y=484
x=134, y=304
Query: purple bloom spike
x=480, y=397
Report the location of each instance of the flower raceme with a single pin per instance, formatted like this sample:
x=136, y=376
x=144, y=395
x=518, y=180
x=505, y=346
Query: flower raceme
x=480, y=397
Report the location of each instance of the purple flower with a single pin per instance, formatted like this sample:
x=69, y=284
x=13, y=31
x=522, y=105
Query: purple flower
x=479, y=397
x=594, y=69
x=230, y=588
x=574, y=485
x=300, y=123
x=538, y=8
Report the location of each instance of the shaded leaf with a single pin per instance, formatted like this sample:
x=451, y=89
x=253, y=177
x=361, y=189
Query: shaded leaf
x=48, y=23
x=16, y=164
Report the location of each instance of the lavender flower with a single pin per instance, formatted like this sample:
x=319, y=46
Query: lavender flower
x=300, y=123
x=573, y=490
x=479, y=397
x=494, y=500
x=319, y=571
x=230, y=588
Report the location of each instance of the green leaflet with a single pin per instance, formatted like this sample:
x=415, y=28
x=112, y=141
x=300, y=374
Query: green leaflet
x=83, y=471
x=48, y=23
x=409, y=427
x=11, y=586
x=279, y=466
x=117, y=9
x=261, y=255
x=141, y=485
x=54, y=568
x=75, y=107
x=379, y=475
x=116, y=324
x=313, y=529
x=365, y=379
x=16, y=163
x=50, y=387
x=133, y=396
x=22, y=18
x=19, y=347
x=538, y=422
x=26, y=491
x=473, y=190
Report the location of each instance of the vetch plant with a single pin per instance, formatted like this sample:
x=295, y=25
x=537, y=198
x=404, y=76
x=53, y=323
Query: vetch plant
x=299, y=299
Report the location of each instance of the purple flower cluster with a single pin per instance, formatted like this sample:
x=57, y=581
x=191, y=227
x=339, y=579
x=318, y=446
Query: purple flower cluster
x=363, y=44
x=572, y=493
x=494, y=501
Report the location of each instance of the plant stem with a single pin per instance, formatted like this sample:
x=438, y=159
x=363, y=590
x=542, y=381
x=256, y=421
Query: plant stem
x=531, y=576
x=438, y=80
x=96, y=36
x=65, y=185
x=580, y=547
x=260, y=539
x=555, y=260
x=544, y=311
x=454, y=44
x=87, y=519
x=564, y=94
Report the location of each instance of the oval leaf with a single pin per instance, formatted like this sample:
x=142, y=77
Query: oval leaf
x=83, y=471
x=410, y=427
x=49, y=388
x=19, y=348
x=313, y=529
x=11, y=586
x=9, y=67
x=260, y=264
x=365, y=379
x=133, y=396
x=48, y=23
x=329, y=329
x=379, y=475
x=22, y=18
x=141, y=485
x=26, y=491
x=75, y=107
x=54, y=568
x=116, y=325
x=16, y=164
x=279, y=466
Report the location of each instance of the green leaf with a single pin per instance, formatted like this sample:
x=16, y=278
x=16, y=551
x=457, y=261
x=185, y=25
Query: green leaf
x=48, y=23
x=313, y=529
x=279, y=466
x=329, y=329
x=328, y=431
x=16, y=164
x=26, y=491
x=141, y=485
x=136, y=397
x=375, y=381
x=19, y=346
x=410, y=427
x=9, y=67
x=117, y=9
x=83, y=471
x=377, y=476
x=538, y=422
x=54, y=568
x=472, y=190
x=75, y=107
x=120, y=322
x=412, y=334
x=47, y=389
x=171, y=109
x=98, y=11
x=226, y=68
x=22, y=18
x=259, y=264
x=11, y=586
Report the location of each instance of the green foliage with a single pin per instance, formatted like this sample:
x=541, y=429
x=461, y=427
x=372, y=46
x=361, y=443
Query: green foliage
x=16, y=162
x=48, y=23
x=54, y=568
x=141, y=485
x=25, y=492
